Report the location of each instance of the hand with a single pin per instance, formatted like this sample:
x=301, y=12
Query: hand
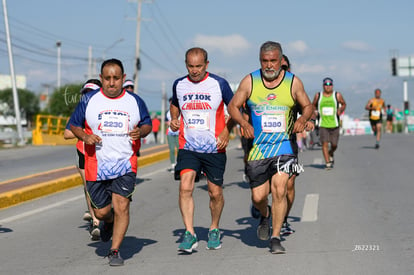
x=310, y=126
x=175, y=125
x=248, y=131
x=135, y=133
x=223, y=139
x=91, y=139
x=299, y=126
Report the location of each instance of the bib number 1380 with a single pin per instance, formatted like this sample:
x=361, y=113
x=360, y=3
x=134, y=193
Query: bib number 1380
x=273, y=123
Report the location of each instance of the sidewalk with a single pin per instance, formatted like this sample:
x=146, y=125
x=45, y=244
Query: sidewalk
x=26, y=188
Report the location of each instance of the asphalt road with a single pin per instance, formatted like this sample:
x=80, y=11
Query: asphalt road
x=354, y=219
x=28, y=160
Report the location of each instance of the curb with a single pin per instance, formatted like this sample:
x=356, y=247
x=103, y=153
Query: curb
x=60, y=184
x=39, y=190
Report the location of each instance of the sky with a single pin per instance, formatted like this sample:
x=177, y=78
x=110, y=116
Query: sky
x=350, y=41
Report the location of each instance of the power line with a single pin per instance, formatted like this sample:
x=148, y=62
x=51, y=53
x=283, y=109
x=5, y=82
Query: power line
x=42, y=33
x=171, y=30
x=168, y=57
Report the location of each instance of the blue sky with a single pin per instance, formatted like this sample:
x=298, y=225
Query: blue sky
x=350, y=41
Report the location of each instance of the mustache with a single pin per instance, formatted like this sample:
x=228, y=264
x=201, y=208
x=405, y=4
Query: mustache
x=272, y=72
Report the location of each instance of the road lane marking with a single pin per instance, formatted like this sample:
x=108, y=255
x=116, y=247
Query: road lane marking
x=41, y=209
x=45, y=208
x=310, y=208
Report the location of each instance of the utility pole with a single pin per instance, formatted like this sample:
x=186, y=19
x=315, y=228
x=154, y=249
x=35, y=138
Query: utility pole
x=58, y=45
x=90, y=62
x=13, y=79
x=163, y=110
x=405, y=88
x=137, y=43
x=404, y=67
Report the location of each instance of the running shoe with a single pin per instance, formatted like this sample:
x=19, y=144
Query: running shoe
x=214, y=239
x=115, y=258
x=106, y=230
x=87, y=216
x=286, y=229
x=377, y=146
x=95, y=233
x=276, y=247
x=328, y=166
x=263, y=229
x=172, y=169
x=254, y=212
x=189, y=243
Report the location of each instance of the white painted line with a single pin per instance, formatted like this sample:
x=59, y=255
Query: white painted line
x=152, y=173
x=310, y=208
x=45, y=208
x=41, y=209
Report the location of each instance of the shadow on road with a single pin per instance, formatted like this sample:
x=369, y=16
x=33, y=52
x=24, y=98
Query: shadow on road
x=369, y=147
x=317, y=166
x=130, y=246
x=5, y=229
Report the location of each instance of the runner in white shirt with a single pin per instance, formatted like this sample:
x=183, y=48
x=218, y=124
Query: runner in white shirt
x=114, y=121
x=204, y=134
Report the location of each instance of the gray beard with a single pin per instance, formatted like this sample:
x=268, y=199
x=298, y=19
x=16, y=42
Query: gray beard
x=271, y=76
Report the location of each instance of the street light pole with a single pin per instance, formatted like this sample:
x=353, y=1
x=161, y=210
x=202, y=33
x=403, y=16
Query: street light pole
x=13, y=79
x=110, y=47
x=58, y=45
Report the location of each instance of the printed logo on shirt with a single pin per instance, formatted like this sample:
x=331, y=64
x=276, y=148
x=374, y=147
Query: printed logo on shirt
x=197, y=101
x=271, y=97
x=265, y=108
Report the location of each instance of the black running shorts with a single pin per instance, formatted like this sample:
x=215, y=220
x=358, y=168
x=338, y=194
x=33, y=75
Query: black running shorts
x=212, y=164
x=100, y=192
x=81, y=160
x=375, y=122
x=260, y=171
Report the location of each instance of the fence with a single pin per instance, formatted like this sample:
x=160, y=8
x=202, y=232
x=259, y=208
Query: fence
x=49, y=131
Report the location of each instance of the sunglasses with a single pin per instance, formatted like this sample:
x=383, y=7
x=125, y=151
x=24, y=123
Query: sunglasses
x=327, y=84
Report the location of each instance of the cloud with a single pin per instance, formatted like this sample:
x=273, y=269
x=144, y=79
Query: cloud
x=307, y=68
x=357, y=46
x=298, y=46
x=230, y=45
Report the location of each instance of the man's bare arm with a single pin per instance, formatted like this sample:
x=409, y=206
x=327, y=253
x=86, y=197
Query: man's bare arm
x=307, y=107
x=240, y=98
x=342, y=102
x=175, y=114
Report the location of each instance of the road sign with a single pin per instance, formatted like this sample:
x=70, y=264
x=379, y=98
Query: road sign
x=405, y=66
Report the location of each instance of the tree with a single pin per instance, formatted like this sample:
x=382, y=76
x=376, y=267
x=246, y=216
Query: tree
x=63, y=101
x=28, y=102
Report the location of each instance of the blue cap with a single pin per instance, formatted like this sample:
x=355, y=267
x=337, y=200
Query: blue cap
x=327, y=80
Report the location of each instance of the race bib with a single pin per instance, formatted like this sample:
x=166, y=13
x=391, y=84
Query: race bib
x=199, y=121
x=375, y=114
x=114, y=124
x=327, y=111
x=274, y=123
